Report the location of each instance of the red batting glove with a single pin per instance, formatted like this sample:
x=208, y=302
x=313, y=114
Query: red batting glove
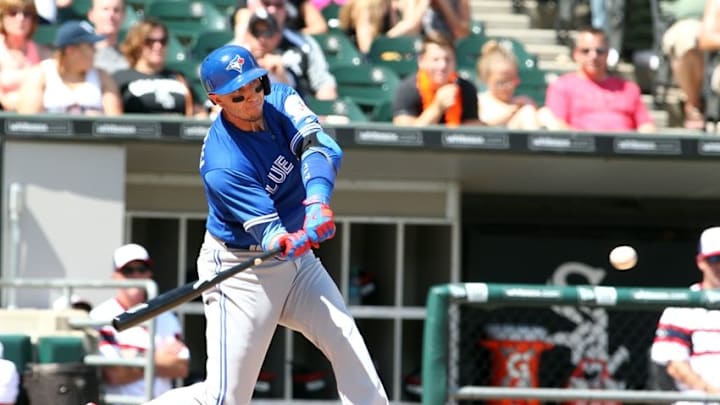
x=319, y=223
x=293, y=244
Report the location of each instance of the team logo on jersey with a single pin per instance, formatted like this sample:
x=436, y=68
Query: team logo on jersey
x=236, y=63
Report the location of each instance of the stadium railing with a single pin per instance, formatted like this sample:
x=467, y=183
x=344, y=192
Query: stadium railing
x=68, y=286
x=529, y=344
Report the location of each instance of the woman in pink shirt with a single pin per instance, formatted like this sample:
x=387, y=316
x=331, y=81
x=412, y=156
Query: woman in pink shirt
x=18, y=52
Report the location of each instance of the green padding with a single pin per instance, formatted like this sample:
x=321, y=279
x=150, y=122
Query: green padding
x=434, y=360
x=60, y=349
x=18, y=349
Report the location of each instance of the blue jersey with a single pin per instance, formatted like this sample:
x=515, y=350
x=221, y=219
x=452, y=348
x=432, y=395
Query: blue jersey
x=253, y=179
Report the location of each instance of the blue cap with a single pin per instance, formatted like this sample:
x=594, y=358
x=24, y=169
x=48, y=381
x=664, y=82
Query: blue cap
x=228, y=68
x=75, y=32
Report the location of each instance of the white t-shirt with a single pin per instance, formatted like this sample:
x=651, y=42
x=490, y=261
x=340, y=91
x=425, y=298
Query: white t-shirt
x=132, y=343
x=9, y=380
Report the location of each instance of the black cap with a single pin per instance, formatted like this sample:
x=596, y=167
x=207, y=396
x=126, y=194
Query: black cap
x=262, y=24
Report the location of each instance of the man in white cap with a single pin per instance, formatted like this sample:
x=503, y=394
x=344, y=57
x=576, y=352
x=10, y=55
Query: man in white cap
x=9, y=381
x=132, y=262
x=687, y=340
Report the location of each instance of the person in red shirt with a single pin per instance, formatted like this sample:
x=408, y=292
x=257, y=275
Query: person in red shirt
x=593, y=100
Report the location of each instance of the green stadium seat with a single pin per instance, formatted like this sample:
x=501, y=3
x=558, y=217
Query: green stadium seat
x=331, y=12
x=338, y=49
x=226, y=7
x=60, y=349
x=533, y=83
x=17, y=348
x=467, y=51
x=77, y=10
x=345, y=107
x=45, y=34
x=131, y=17
x=176, y=52
x=469, y=48
x=396, y=53
x=187, y=18
x=371, y=87
x=207, y=41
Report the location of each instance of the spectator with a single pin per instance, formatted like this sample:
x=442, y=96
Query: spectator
x=498, y=105
x=148, y=86
x=592, y=99
x=606, y=15
x=108, y=17
x=680, y=43
x=9, y=381
x=18, y=52
x=301, y=54
x=301, y=15
x=435, y=94
x=263, y=38
x=687, y=340
x=68, y=83
x=364, y=20
x=132, y=262
x=48, y=9
x=450, y=18
x=709, y=38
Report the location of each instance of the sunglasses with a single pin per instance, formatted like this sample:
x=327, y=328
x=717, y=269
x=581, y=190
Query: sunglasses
x=128, y=271
x=26, y=12
x=598, y=51
x=152, y=41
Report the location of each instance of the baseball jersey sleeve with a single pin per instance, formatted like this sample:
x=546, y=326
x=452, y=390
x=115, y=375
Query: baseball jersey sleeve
x=673, y=337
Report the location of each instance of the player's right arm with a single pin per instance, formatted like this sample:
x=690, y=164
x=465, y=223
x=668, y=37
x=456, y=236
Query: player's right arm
x=245, y=200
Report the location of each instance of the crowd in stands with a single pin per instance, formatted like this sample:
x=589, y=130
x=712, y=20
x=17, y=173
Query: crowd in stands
x=112, y=59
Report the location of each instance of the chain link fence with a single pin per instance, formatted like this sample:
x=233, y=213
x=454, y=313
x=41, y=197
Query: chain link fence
x=504, y=344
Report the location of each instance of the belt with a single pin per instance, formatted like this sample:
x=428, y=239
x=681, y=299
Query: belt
x=251, y=248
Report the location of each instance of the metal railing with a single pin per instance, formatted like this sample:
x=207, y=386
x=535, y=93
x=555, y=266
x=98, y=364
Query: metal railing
x=442, y=338
x=67, y=286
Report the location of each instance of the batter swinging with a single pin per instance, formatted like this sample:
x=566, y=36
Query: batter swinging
x=269, y=169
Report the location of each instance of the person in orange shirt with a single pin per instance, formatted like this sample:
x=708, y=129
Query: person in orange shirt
x=435, y=94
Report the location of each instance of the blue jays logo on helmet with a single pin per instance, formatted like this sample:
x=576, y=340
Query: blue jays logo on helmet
x=236, y=63
x=228, y=68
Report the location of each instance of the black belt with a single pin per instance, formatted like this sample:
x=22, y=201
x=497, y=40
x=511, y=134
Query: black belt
x=252, y=248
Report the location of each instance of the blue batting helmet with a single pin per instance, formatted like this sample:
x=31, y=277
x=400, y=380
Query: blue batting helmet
x=230, y=67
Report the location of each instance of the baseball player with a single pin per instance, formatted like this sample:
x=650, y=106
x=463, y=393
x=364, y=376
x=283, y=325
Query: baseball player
x=687, y=340
x=268, y=169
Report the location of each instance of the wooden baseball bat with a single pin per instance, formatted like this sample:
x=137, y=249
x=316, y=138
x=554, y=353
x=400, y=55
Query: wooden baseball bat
x=171, y=299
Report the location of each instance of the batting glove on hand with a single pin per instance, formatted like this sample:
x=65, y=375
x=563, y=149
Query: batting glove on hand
x=319, y=223
x=293, y=244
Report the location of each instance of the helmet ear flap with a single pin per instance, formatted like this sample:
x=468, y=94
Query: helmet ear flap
x=266, y=84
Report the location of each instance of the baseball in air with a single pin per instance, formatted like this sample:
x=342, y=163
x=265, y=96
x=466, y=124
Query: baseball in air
x=623, y=257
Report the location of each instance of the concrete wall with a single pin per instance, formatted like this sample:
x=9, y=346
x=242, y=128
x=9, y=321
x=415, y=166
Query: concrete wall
x=71, y=212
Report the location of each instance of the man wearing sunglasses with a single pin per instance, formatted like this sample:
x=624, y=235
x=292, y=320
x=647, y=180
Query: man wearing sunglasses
x=132, y=262
x=301, y=54
x=687, y=340
x=590, y=99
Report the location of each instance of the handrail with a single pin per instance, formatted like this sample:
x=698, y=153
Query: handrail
x=68, y=285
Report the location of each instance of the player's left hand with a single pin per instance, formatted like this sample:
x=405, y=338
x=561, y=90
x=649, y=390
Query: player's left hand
x=319, y=223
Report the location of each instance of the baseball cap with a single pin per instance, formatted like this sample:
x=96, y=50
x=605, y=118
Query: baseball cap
x=75, y=32
x=710, y=243
x=128, y=253
x=262, y=24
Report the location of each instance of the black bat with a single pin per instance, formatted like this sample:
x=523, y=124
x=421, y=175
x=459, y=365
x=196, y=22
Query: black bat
x=170, y=299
